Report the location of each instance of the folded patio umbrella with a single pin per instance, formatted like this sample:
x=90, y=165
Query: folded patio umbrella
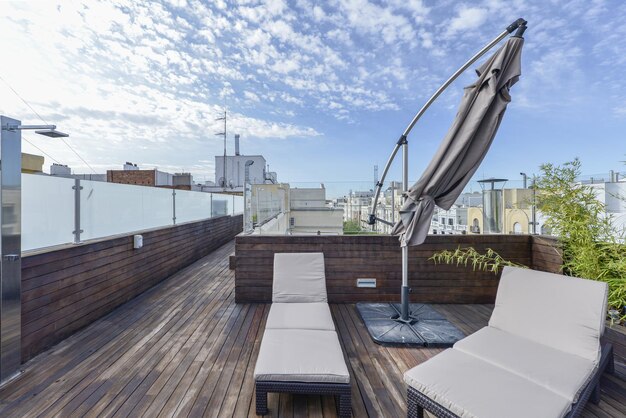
x=464, y=146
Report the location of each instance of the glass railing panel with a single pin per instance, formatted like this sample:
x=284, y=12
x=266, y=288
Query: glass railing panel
x=110, y=209
x=192, y=206
x=47, y=211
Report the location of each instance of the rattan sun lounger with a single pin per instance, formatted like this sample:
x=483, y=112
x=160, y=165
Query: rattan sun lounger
x=300, y=351
x=540, y=356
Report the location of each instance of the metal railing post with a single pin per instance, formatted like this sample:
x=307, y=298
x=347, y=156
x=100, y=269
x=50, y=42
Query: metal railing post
x=173, y=206
x=77, y=230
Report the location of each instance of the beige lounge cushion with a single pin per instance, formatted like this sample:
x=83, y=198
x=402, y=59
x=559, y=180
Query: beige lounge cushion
x=300, y=316
x=561, y=372
x=565, y=313
x=299, y=277
x=294, y=355
x=472, y=388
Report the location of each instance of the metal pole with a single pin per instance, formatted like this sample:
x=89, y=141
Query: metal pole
x=173, y=206
x=404, y=313
x=224, y=150
x=534, y=211
x=77, y=230
x=10, y=249
x=429, y=102
x=393, y=202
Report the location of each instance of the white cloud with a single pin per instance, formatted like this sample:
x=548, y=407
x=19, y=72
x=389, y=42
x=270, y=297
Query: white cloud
x=251, y=96
x=145, y=73
x=467, y=18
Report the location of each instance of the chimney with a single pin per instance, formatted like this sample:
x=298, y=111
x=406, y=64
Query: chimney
x=612, y=176
x=237, y=144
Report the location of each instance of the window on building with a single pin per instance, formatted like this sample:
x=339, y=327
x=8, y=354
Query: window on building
x=450, y=221
x=517, y=228
x=292, y=221
x=546, y=230
x=476, y=226
x=435, y=231
x=443, y=221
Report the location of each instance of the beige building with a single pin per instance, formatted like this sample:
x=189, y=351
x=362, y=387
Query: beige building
x=517, y=216
x=31, y=163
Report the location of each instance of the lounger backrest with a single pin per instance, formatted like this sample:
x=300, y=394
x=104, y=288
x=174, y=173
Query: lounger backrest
x=299, y=277
x=562, y=312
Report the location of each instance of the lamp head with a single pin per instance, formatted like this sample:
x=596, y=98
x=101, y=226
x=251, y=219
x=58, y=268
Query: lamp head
x=52, y=133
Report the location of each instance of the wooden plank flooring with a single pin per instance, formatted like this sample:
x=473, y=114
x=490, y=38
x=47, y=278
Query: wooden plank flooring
x=185, y=349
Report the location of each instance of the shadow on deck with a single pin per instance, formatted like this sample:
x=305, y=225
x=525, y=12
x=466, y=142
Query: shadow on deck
x=184, y=348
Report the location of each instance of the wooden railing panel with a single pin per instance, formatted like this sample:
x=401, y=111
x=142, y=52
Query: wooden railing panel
x=67, y=288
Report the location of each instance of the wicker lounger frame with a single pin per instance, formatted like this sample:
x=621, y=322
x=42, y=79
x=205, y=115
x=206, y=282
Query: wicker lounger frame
x=417, y=402
x=341, y=390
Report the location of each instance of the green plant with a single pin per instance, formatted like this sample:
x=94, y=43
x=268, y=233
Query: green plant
x=490, y=261
x=351, y=227
x=593, y=247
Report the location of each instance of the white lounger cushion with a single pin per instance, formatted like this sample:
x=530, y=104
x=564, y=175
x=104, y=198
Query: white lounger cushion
x=472, y=388
x=562, y=312
x=563, y=373
x=299, y=277
x=300, y=316
x=291, y=355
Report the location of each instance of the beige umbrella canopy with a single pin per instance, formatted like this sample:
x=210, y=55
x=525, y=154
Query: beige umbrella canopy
x=465, y=145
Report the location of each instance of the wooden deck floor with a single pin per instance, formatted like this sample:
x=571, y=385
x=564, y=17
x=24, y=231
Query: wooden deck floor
x=184, y=348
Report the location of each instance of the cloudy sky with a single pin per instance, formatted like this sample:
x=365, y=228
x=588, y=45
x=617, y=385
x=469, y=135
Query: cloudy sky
x=321, y=89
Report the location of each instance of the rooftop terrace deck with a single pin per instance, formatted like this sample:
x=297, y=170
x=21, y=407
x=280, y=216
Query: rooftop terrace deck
x=184, y=348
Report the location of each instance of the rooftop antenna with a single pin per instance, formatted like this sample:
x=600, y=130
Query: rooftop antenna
x=224, y=135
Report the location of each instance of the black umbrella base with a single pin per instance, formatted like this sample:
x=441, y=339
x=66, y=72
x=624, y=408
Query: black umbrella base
x=425, y=328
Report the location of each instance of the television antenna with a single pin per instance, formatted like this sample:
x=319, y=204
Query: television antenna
x=224, y=135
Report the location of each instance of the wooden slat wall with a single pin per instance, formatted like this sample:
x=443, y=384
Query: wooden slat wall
x=67, y=288
x=350, y=257
x=546, y=254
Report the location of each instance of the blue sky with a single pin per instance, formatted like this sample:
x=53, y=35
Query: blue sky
x=322, y=90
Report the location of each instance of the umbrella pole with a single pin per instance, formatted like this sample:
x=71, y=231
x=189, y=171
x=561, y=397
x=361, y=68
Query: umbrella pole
x=404, y=311
x=404, y=306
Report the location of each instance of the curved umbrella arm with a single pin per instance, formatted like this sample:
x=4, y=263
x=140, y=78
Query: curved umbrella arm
x=519, y=24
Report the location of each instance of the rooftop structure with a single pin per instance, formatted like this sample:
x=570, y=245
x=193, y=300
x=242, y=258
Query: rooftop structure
x=280, y=209
x=187, y=348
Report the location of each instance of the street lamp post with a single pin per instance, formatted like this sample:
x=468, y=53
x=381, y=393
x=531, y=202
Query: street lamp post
x=11, y=241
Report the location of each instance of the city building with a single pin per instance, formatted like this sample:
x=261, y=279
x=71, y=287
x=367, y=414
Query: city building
x=510, y=211
x=235, y=172
x=612, y=193
x=310, y=214
x=388, y=208
x=358, y=205
x=62, y=170
x=279, y=209
x=452, y=221
x=231, y=171
x=32, y=164
x=131, y=174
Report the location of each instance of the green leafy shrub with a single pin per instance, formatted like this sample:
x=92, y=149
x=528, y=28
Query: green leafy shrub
x=352, y=227
x=490, y=261
x=593, y=247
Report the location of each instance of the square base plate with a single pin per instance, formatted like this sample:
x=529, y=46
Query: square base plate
x=427, y=328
